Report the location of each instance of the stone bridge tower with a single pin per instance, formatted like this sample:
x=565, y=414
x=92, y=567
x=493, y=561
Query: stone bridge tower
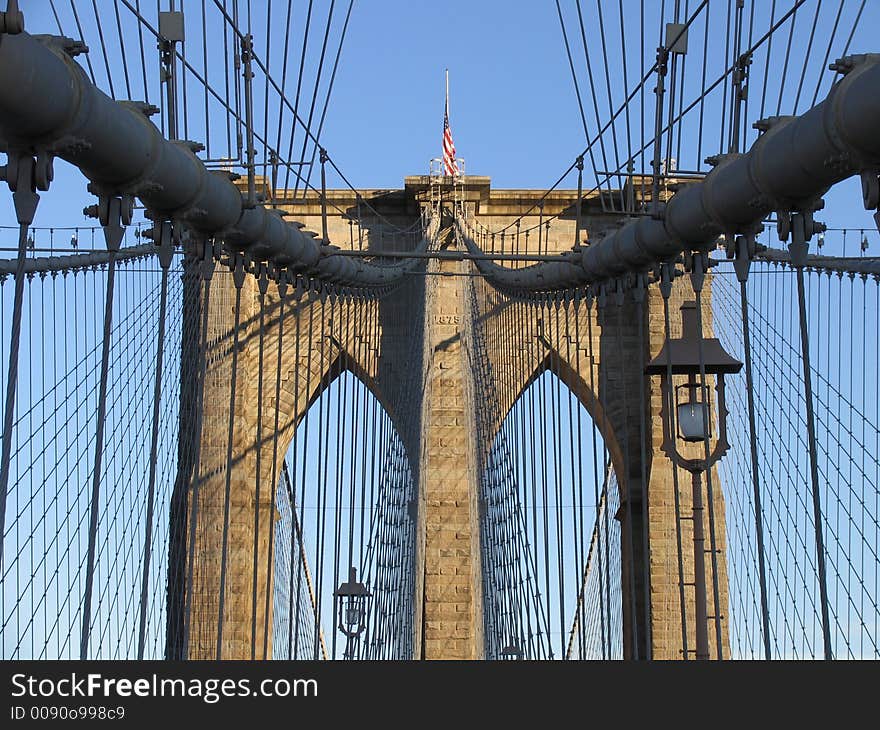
x=422, y=326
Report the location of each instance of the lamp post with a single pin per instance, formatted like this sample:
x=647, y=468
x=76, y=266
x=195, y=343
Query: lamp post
x=687, y=416
x=351, y=605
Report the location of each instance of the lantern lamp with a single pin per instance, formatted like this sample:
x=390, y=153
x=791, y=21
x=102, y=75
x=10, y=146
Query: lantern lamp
x=692, y=414
x=351, y=599
x=688, y=416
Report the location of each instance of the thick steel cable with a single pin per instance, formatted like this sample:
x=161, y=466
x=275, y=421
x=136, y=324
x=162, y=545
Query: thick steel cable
x=12, y=379
x=231, y=113
x=814, y=473
x=259, y=217
x=99, y=452
x=55, y=264
x=753, y=448
x=154, y=445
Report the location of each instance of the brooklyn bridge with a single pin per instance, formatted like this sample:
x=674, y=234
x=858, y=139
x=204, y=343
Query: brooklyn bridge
x=255, y=411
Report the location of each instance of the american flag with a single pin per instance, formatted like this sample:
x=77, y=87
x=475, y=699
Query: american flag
x=450, y=167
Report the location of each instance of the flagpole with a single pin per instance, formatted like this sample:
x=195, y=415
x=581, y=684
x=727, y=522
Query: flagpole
x=447, y=93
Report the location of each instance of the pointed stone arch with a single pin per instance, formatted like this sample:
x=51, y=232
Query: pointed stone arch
x=321, y=337
x=436, y=319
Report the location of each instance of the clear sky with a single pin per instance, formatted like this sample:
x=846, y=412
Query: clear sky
x=515, y=115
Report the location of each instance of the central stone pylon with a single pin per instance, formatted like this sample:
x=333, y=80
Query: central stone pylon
x=423, y=328
x=452, y=621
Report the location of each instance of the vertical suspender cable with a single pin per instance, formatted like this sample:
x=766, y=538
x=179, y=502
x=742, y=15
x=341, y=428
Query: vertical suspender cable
x=516, y=482
x=580, y=203
x=12, y=379
x=341, y=399
x=798, y=249
x=305, y=452
x=540, y=226
x=22, y=169
x=366, y=318
x=742, y=271
x=354, y=413
x=576, y=475
x=604, y=628
x=281, y=279
x=534, y=646
x=639, y=295
x=238, y=274
x=263, y=286
x=165, y=253
x=630, y=537
x=247, y=49
x=206, y=272
x=662, y=58
x=295, y=542
x=321, y=465
x=324, y=233
x=544, y=484
x=700, y=266
x=556, y=428
x=667, y=275
x=113, y=242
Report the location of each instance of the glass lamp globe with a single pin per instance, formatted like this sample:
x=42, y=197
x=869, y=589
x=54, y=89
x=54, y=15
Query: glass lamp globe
x=693, y=421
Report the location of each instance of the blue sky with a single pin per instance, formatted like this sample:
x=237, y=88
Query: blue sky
x=514, y=113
